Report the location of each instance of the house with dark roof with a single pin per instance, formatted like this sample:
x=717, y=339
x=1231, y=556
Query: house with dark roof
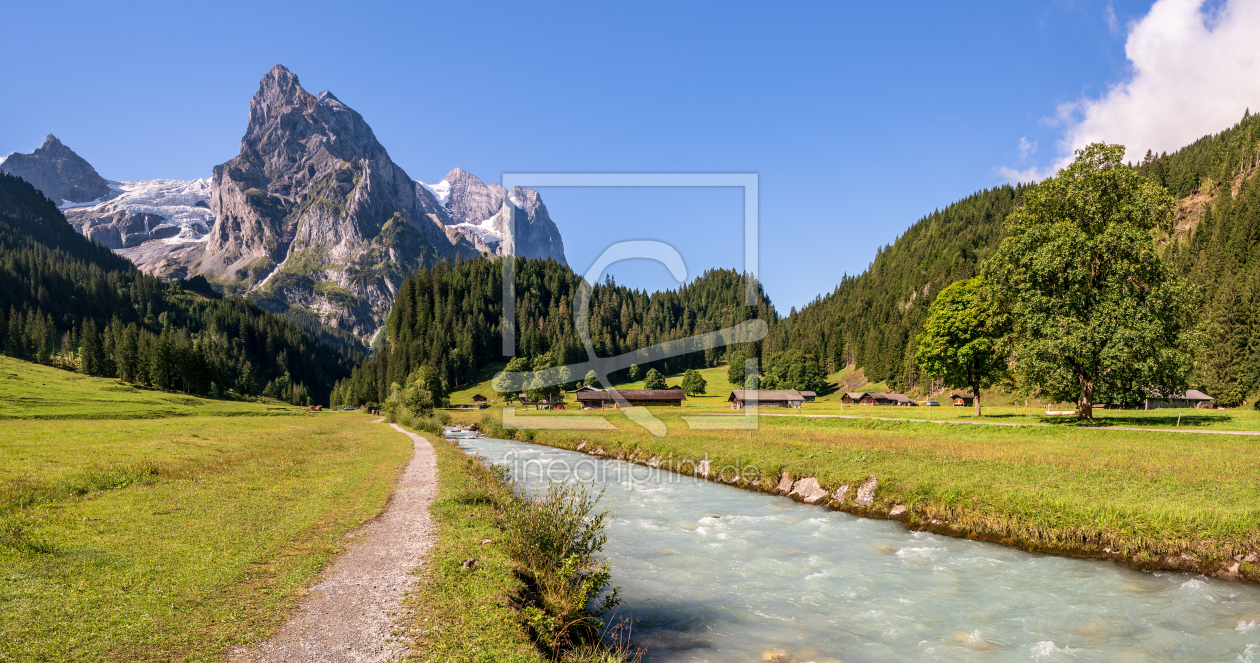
x=962, y=399
x=1189, y=398
x=809, y=396
x=599, y=398
x=876, y=398
x=743, y=398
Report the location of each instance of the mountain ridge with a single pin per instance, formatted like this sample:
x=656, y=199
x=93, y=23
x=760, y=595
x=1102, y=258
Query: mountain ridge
x=312, y=213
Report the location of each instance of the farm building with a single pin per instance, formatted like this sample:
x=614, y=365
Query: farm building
x=765, y=398
x=1190, y=398
x=809, y=396
x=478, y=398
x=598, y=398
x=960, y=399
x=876, y=398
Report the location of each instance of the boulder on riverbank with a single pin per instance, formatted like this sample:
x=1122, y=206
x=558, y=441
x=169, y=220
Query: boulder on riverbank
x=785, y=484
x=866, y=493
x=808, y=491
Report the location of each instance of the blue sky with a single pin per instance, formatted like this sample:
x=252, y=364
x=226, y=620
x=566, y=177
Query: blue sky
x=859, y=118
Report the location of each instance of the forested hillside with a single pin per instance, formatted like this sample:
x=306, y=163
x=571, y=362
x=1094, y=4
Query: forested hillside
x=70, y=302
x=871, y=319
x=1218, y=247
x=447, y=318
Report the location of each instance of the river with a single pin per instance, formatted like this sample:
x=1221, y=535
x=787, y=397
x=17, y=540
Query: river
x=713, y=573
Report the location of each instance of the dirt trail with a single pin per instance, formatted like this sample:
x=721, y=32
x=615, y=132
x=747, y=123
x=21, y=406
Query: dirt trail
x=356, y=603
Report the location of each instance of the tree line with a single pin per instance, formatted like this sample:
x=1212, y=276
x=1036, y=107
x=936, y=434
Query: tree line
x=446, y=319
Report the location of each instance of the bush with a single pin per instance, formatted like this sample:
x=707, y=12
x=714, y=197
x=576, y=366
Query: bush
x=555, y=535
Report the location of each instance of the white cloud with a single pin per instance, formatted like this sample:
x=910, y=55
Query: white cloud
x=1030, y=174
x=1193, y=73
x=1026, y=148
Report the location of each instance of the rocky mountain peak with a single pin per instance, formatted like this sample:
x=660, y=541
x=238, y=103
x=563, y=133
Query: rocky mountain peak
x=58, y=172
x=471, y=200
x=313, y=199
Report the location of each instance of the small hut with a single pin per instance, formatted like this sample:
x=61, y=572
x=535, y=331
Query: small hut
x=1191, y=398
x=478, y=398
x=740, y=399
x=961, y=399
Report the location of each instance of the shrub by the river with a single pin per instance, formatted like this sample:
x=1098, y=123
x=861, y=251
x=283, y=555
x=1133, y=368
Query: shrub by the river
x=555, y=535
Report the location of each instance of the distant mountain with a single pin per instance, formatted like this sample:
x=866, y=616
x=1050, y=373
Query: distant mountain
x=312, y=213
x=481, y=213
x=57, y=171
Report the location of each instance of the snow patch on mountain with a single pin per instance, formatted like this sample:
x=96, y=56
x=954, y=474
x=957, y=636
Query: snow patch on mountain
x=441, y=191
x=174, y=200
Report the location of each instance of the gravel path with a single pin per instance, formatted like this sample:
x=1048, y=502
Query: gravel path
x=356, y=603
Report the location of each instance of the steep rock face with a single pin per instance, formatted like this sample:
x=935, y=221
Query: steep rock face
x=58, y=172
x=481, y=213
x=313, y=212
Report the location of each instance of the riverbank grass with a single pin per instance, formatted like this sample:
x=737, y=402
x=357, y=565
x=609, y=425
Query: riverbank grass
x=507, y=579
x=174, y=538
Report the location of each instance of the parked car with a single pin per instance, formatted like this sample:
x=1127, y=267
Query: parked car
x=931, y=404
x=349, y=408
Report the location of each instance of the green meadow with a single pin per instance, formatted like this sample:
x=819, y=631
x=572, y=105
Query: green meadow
x=178, y=528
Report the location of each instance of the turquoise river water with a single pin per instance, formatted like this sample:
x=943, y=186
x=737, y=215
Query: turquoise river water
x=713, y=573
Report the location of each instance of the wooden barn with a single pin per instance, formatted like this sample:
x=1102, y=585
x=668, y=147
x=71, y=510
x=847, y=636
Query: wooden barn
x=853, y=397
x=594, y=399
x=478, y=398
x=765, y=398
x=1190, y=398
x=960, y=399
x=876, y=398
x=809, y=396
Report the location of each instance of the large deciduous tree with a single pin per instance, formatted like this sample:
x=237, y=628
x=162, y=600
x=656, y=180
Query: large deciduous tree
x=961, y=341
x=1095, y=311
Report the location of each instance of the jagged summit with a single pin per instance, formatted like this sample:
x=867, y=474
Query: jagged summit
x=62, y=175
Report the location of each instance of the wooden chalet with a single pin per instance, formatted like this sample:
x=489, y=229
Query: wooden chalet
x=876, y=398
x=961, y=399
x=741, y=398
x=478, y=398
x=1191, y=398
x=809, y=396
x=594, y=399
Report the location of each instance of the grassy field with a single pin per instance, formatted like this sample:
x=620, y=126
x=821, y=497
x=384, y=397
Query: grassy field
x=1148, y=497
x=31, y=391
x=177, y=531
